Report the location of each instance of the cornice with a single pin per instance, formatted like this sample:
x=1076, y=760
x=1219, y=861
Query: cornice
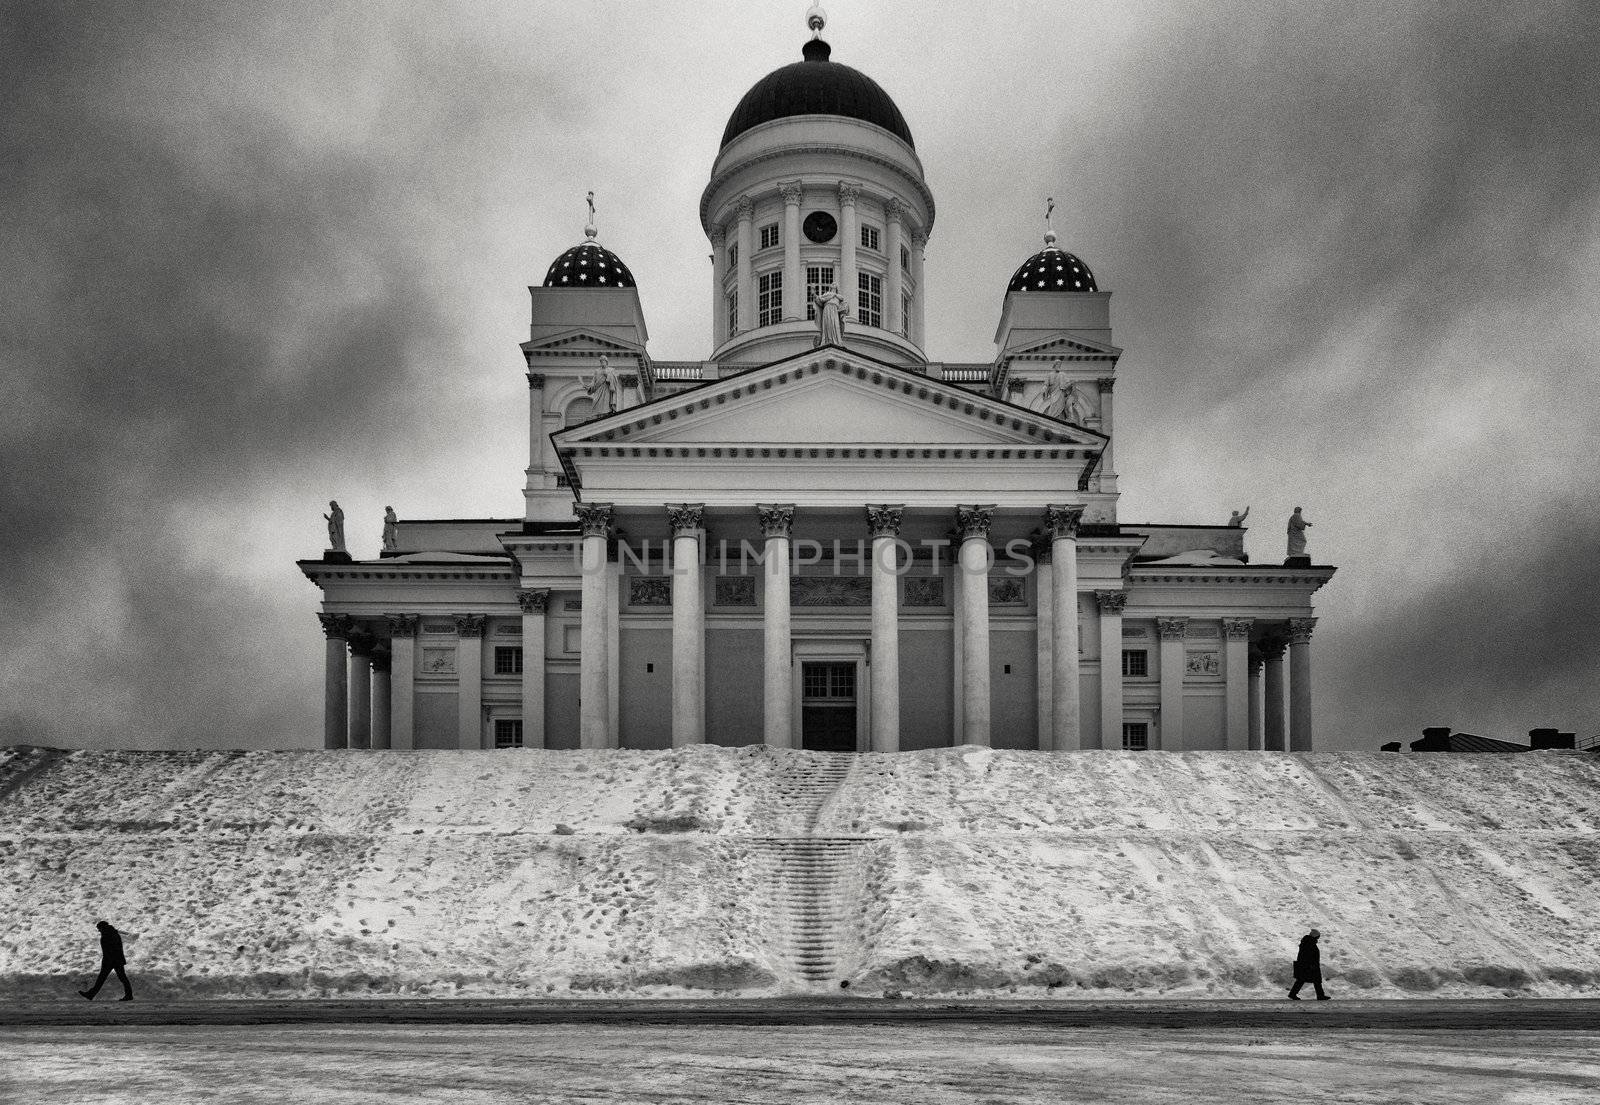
x=318, y=571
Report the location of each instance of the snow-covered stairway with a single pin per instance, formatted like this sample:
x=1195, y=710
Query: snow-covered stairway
x=816, y=915
x=802, y=785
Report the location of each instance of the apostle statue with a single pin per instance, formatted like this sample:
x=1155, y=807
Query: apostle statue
x=603, y=387
x=1238, y=516
x=335, y=519
x=1074, y=407
x=1052, y=401
x=391, y=530
x=830, y=316
x=1297, y=533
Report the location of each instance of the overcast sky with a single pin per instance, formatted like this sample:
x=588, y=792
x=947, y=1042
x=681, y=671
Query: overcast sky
x=257, y=256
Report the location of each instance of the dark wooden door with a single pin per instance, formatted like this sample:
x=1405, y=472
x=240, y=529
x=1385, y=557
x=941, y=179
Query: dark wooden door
x=828, y=707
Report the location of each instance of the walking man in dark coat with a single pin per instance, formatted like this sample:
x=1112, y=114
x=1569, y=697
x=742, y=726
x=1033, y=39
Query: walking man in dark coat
x=1308, y=967
x=111, y=959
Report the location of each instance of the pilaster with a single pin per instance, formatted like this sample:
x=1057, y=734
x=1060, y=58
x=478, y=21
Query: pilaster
x=1171, y=632
x=469, y=676
x=1111, y=605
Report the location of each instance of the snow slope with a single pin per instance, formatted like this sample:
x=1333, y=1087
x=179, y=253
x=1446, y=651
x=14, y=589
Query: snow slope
x=1097, y=874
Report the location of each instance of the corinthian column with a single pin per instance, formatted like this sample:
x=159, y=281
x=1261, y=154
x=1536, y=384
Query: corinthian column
x=1236, y=665
x=688, y=626
x=402, y=686
x=777, y=685
x=380, y=698
x=1111, y=605
x=919, y=294
x=534, y=604
x=1172, y=663
x=1300, y=683
x=469, y=673
x=850, y=236
x=1061, y=525
x=893, y=216
x=1272, y=652
x=361, y=646
x=594, y=679
x=883, y=523
x=746, y=284
x=975, y=557
x=335, y=685
x=794, y=288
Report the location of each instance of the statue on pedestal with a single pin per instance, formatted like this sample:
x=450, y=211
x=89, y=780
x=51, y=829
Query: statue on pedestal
x=335, y=519
x=1237, y=517
x=603, y=387
x=1053, y=400
x=830, y=316
x=1297, y=533
x=391, y=532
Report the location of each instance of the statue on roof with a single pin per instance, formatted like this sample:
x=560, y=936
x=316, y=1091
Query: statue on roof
x=391, y=528
x=830, y=316
x=1238, y=516
x=1297, y=533
x=604, y=388
x=335, y=519
x=1052, y=401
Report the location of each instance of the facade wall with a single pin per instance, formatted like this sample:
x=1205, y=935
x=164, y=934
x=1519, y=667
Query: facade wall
x=1204, y=720
x=561, y=709
x=734, y=663
x=1014, y=694
x=436, y=719
x=646, y=686
x=1089, y=703
x=927, y=687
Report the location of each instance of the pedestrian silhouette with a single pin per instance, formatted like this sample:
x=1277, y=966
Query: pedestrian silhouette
x=1308, y=967
x=111, y=959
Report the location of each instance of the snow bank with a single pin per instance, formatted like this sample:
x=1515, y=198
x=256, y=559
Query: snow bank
x=1094, y=874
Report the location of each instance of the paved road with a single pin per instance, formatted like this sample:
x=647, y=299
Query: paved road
x=1512, y=1014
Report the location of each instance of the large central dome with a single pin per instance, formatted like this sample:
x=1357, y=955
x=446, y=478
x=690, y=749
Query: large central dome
x=816, y=86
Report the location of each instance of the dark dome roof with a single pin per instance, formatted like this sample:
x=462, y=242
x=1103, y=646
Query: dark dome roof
x=816, y=86
x=1052, y=270
x=589, y=265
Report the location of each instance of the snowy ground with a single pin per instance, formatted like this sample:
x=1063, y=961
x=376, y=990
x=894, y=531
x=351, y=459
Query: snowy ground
x=895, y=1065
x=529, y=873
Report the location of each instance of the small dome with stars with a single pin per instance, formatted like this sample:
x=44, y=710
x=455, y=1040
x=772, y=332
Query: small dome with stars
x=589, y=265
x=1052, y=269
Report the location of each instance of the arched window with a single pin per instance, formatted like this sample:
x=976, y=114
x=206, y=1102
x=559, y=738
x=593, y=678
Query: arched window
x=579, y=410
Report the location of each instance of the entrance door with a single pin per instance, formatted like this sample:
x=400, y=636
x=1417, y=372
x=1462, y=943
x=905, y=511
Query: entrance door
x=828, y=707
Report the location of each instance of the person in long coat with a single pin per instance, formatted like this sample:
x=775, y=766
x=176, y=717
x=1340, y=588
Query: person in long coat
x=111, y=959
x=1308, y=966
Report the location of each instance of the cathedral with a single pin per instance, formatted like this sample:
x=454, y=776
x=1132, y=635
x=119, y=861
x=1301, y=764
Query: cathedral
x=817, y=537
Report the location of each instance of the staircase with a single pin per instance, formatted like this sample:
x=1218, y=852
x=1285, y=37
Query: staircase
x=813, y=905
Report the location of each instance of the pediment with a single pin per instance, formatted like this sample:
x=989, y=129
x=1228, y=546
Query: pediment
x=830, y=398
x=579, y=340
x=1062, y=346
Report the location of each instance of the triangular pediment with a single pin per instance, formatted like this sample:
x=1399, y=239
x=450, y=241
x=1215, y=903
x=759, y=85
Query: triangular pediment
x=1062, y=346
x=579, y=340
x=829, y=397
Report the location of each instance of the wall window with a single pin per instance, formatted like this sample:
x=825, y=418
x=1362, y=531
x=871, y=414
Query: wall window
x=869, y=299
x=905, y=315
x=771, y=302
x=905, y=259
x=1135, y=663
x=508, y=732
x=819, y=278
x=769, y=235
x=733, y=255
x=869, y=238
x=1136, y=735
x=733, y=313
x=508, y=659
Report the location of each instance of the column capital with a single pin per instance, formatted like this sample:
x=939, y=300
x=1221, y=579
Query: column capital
x=336, y=627
x=1106, y=384
x=686, y=519
x=1300, y=630
x=777, y=519
x=1111, y=602
x=719, y=236
x=1273, y=648
x=595, y=518
x=470, y=625
x=1171, y=629
x=1062, y=521
x=791, y=190
x=919, y=237
x=893, y=209
x=745, y=207
x=361, y=644
x=849, y=191
x=534, y=602
x=536, y=381
x=973, y=521
x=1237, y=629
x=401, y=625
x=883, y=519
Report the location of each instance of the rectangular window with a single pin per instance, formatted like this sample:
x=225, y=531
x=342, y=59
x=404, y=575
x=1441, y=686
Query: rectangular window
x=869, y=238
x=819, y=278
x=905, y=315
x=1136, y=736
x=508, y=732
x=733, y=255
x=836, y=681
x=733, y=313
x=869, y=299
x=1135, y=663
x=905, y=259
x=508, y=659
x=769, y=235
x=771, y=303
